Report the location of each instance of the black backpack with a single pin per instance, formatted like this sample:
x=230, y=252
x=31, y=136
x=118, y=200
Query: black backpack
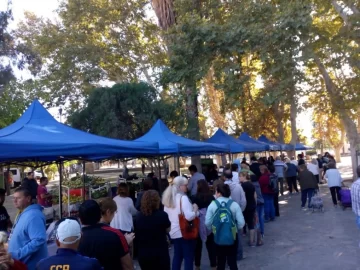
x=273, y=183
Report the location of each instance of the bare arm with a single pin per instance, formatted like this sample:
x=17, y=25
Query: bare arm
x=126, y=262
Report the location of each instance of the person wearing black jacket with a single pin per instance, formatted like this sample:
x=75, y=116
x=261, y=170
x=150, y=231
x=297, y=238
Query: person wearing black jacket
x=255, y=167
x=203, y=199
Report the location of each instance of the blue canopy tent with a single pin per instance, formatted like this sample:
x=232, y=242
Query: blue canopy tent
x=236, y=146
x=172, y=144
x=281, y=146
x=37, y=136
x=300, y=146
x=246, y=138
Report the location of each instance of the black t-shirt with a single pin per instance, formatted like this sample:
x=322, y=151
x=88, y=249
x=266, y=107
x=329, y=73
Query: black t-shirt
x=249, y=190
x=106, y=244
x=255, y=168
x=150, y=233
x=4, y=217
x=202, y=201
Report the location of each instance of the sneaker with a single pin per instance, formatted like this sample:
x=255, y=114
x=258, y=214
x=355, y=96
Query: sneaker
x=303, y=208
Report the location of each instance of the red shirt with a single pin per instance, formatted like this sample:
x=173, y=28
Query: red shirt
x=264, y=181
x=46, y=202
x=18, y=266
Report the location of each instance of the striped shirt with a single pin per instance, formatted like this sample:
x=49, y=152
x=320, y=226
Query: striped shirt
x=355, y=197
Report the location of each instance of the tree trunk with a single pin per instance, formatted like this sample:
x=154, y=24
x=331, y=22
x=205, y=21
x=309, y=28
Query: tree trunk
x=293, y=115
x=278, y=110
x=192, y=119
x=337, y=153
x=6, y=181
x=338, y=104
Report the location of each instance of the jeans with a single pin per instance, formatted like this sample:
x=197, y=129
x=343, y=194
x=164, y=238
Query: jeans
x=306, y=193
x=260, y=213
x=211, y=248
x=335, y=191
x=240, y=254
x=281, y=183
x=358, y=221
x=269, y=208
x=227, y=254
x=292, y=183
x=183, y=250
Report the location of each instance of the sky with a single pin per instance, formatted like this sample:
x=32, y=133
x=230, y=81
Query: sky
x=46, y=8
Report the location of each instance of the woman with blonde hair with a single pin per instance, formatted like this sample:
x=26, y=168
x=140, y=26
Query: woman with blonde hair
x=175, y=202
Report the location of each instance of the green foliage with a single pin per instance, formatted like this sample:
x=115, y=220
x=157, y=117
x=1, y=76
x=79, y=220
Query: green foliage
x=93, y=41
x=124, y=111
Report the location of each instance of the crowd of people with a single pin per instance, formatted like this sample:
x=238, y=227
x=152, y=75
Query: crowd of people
x=220, y=211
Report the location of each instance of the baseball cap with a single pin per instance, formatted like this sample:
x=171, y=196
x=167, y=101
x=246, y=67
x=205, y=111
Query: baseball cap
x=68, y=228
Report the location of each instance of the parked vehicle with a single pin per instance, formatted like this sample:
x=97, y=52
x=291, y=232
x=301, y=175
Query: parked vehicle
x=15, y=177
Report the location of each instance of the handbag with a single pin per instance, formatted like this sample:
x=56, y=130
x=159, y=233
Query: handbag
x=189, y=229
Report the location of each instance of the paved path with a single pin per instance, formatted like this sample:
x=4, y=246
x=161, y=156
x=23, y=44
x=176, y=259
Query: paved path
x=300, y=240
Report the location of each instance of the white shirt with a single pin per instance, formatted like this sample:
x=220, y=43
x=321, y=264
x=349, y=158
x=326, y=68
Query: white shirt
x=235, y=177
x=123, y=219
x=295, y=162
x=333, y=178
x=173, y=214
x=313, y=168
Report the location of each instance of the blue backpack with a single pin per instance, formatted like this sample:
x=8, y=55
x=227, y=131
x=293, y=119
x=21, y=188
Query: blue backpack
x=223, y=226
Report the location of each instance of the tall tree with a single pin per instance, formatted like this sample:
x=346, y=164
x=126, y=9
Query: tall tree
x=93, y=42
x=124, y=111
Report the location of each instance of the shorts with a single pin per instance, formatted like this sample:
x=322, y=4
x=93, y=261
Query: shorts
x=249, y=218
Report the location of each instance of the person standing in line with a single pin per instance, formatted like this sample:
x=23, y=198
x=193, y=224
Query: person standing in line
x=355, y=197
x=225, y=253
x=27, y=241
x=195, y=177
x=280, y=169
x=68, y=235
x=249, y=212
x=267, y=193
x=31, y=185
x=255, y=166
x=237, y=195
x=123, y=219
x=334, y=180
x=202, y=199
x=143, y=168
x=173, y=174
x=5, y=221
x=151, y=227
x=108, y=210
x=43, y=196
x=308, y=185
x=294, y=161
x=8, y=263
x=175, y=202
x=147, y=185
x=100, y=241
x=314, y=168
x=291, y=175
x=259, y=209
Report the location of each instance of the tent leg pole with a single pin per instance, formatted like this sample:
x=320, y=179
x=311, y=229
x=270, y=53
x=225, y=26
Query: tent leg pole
x=60, y=189
x=159, y=167
x=84, y=191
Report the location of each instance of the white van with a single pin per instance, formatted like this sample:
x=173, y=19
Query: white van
x=15, y=177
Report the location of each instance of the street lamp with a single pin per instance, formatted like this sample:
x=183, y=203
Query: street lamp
x=60, y=113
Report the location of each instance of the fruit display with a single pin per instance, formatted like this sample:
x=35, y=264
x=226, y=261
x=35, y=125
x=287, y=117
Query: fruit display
x=77, y=181
x=99, y=192
x=73, y=199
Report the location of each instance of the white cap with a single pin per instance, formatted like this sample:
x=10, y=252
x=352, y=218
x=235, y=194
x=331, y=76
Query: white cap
x=68, y=228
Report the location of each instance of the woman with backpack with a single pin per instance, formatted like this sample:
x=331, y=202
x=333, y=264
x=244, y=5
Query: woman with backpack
x=267, y=193
x=175, y=202
x=225, y=218
x=203, y=199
